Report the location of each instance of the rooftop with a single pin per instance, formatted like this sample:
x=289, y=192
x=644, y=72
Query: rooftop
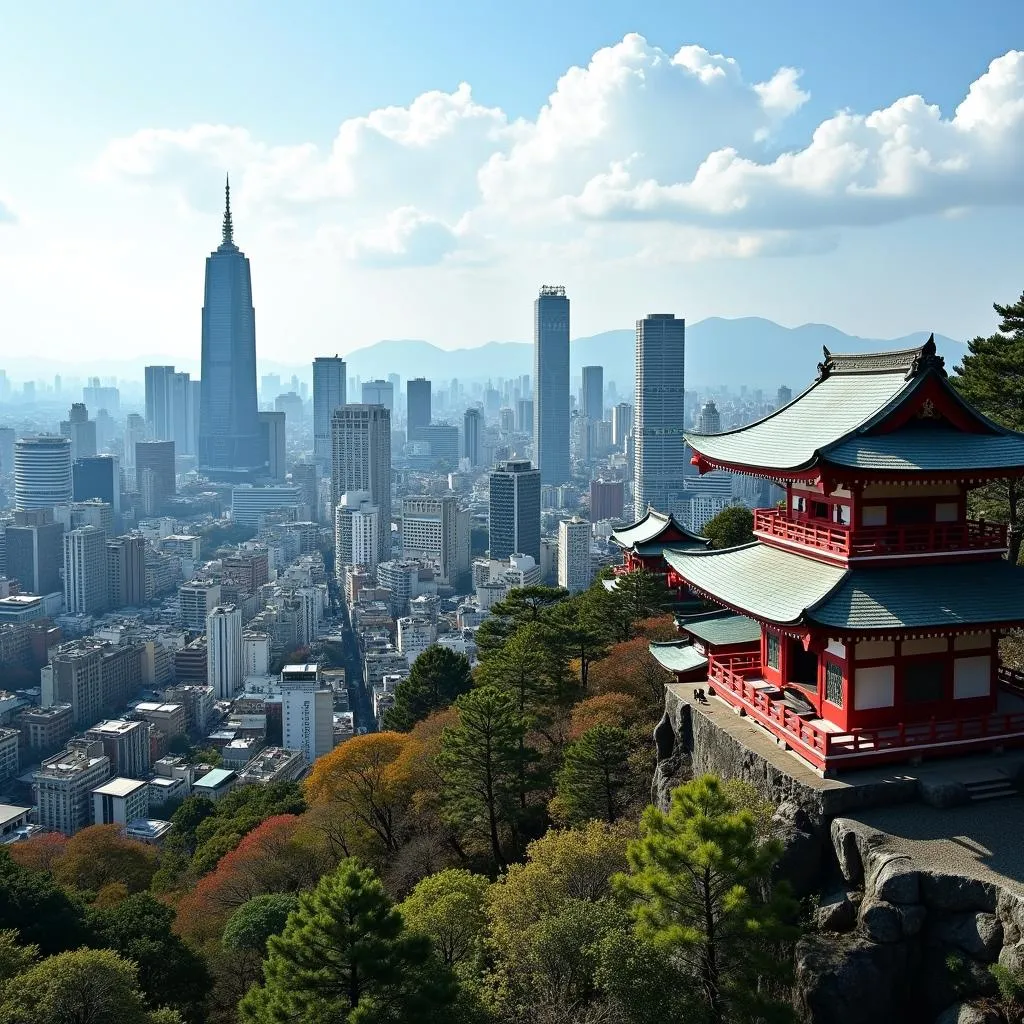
x=720, y=630
x=115, y=726
x=654, y=526
x=677, y=656
x=215, y=778
x=147, y=829
x=120, y=787
x=11, y=812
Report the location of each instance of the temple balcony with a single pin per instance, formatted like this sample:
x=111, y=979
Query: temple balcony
x=739, y=682
x=865, y=542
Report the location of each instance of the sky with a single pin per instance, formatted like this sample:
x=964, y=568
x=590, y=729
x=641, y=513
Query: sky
x=414, y=170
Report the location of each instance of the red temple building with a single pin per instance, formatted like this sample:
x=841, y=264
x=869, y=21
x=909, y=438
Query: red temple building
x=862, y=624
x=644, y=542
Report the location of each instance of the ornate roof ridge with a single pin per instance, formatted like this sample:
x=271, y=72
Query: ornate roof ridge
x=910, y=361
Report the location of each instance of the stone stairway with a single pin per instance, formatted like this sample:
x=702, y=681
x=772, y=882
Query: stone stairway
x=993, y=788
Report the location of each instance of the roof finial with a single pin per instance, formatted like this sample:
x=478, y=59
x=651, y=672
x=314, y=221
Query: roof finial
x=228, y=229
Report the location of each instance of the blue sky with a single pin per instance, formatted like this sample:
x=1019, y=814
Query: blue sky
x=652, y=178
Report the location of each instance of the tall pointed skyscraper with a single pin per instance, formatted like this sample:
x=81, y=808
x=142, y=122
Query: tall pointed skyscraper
x=229, y=428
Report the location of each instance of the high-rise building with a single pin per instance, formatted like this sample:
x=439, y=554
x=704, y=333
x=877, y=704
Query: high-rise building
x=551, y=385
x=154, y=473
x=85, y=513
x=81, y=430
x=710, y=421
x=307, y=712
x=592, y=407
x=196, y=599
x=472, y=431
x=7, y=439
x=85, y=571
x=184, y=418
x=35, y=551
x=126, y=571
x=134, y=431
x=306, y=476
x=574, y=567
x=429, y=530
x=659, y=452
x=379, y=392
x=158, y=402
x=361, y=461
x=64, y=784
x=329, y=392
x=514, y=510
x=783, y=396
x=229, y=429
x=417, y=397
x=524, y=415
x=126, y=744
x=272, y=441
x=606, y=499
x=99, y=477
x=42, y=471
x=224, y=651
x=622, y=423
x=356, y=532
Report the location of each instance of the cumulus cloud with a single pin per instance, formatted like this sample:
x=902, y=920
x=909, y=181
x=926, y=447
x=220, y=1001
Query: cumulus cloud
x=639, y=134
x=6, y=212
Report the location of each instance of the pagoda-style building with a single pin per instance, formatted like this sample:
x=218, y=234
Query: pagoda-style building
x=862, y=624
x=643, y=543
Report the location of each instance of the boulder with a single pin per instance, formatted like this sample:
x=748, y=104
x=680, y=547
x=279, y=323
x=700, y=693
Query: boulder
x=942, y=792
x=1012, y=957
x=937, y=985
x=844, y=840
x=967, y=1013
x=979, y=935
x=836, y=912
x=844, y=979
x=955, y=893
x=1010, y=911
x=913, y=917
x=800, y=862
x=880, y=921
x=895, y=881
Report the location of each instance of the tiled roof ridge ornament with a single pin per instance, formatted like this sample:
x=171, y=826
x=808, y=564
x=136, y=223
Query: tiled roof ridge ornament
x=912, y=361
x=928, y=359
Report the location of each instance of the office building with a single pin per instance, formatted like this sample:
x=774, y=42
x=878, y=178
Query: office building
x=184, y=413
x=196, y=599
x=42, y=471
x=524, y=415
x=356, y=532
x=574, y=568
x=154, y=473
x=272, y=441
x=134, y=432
x=80, y=430
x=415, y=635
x=514, y=510
x=430, y=531
x=97, y=477
x=472, y=431
x=417, y=396
x=551, y=385
x=307, y=712
x=92, y=676
x=64, y=784
x=607, y=498
x=224, y=651
x=329, y=393
x=85, y=571
x=379, y=392
x=8, y=754
x=443, y=441
x=306, y=475
x=660, y=457
x=710, y=419
x=592, y=404
x=229, y=430
x=35, y=551
x=77, y=514
x=126, y=571
x=170, y=718
x=119, y=801
x=126, y=744
x=45, y=730
x=622, y=424
x=248, y=569
x=361, y=461
x=7, y=439
x=249, y=504
x=158, y=402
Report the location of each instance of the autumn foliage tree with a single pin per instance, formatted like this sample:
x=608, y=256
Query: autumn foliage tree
x=630, y=669
x=100, y=855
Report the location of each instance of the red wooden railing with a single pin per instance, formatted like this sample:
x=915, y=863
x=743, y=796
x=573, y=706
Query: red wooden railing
x=847, y=542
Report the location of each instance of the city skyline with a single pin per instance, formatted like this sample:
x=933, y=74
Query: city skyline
x=647, y=162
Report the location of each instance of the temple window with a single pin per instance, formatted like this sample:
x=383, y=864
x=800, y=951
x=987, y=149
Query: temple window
x=874, y=687
x=924, y=681
x=834, y=684
x=773, y=649
x=972, y=677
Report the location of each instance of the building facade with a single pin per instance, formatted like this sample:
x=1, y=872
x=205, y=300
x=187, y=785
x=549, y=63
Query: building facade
x=224, y=651
x=42, y=471
x=307, y=710
x=592, y=406
x=329, y=393
x=85, y=571
x=574, y=566
x=430, y=530
x=417, y=397
x=361, y=461
x=472, y=435
x=514, y=510
x=551, y=385
x=356, y=532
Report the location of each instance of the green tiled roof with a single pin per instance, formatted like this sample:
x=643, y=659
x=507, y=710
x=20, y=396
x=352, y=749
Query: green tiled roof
x=766, y=582
x=649, y=527
x=786, y=588
x=677, y=656
x=724, y=629
x=657, y=547
x=925, y=449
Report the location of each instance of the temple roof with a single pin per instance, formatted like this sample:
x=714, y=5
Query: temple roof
x=677, y=656
x=648, y=531
x=722, y=630
x=832, y=421
x=788, y=589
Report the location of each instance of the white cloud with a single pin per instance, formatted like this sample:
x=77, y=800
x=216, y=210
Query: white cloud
x=639, y=135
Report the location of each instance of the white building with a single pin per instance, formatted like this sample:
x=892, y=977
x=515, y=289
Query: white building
x=224, y=667
x=120, y=801
x=64, y=784
x=196, y=600
x=85, y=571
x=415, y=635
x=42, y=471
x=574, y=565
x=307, y=711
x=249, y=504
x=356, y=531
x=255, y=653
x=430, y=530
x=521, y=571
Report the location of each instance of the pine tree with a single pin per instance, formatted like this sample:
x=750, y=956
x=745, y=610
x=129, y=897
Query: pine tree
x=437, y=677
x=595, y=775
x=733, y=526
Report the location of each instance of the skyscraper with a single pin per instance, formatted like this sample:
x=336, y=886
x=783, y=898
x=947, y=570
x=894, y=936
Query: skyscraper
x=574, y=568
x=85, y=571
x=224, y=651
x=660, y=456
x=710, y=419
x=154, y=472
x=593, y=393
x=35, y=551
x=472, y=428
x=158, y=402
x=272, y=440
x=81, y=430
x=361, y=461
x=514, y=510
x=622, y=423
x=430, y=530
x=307, y=712
x=183, y=417
x=126, y=571
x=379, y=392
x=98, y=476
x=229, y=430
x=42, y=471
x=417, y=396
x=551, y=384
x=329, y=393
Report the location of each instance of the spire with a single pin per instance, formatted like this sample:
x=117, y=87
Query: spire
x=228, y=230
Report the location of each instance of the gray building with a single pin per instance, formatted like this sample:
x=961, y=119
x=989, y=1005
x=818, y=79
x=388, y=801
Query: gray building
x=379, y=392
x=514, y=510
x=329, y=392
x=551, y=385
x=417, y=397
x=660, y=456
x=229, y=438
x=42, y=471
x=592, y=406
x=35, y=552
x=272, y=436
x=472, y=430
x=158, y=402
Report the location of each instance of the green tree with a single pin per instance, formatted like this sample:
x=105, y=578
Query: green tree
x=991, y=378
x=595, y=776
x=15, y=957
x=576, y=628
x=701, y=881
x=346, y=956
x=449, y=907
x=33, y=903
x=522, y=605
x=480, y=762
x=636, y=595
x=437, y=677
x=250, y=927
x=733, y=526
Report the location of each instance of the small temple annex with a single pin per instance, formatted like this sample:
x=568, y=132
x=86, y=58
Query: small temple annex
x=862, y=624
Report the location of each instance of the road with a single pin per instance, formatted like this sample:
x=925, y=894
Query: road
x=360, y=699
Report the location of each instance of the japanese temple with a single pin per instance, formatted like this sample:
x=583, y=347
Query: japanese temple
x=862, y=624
